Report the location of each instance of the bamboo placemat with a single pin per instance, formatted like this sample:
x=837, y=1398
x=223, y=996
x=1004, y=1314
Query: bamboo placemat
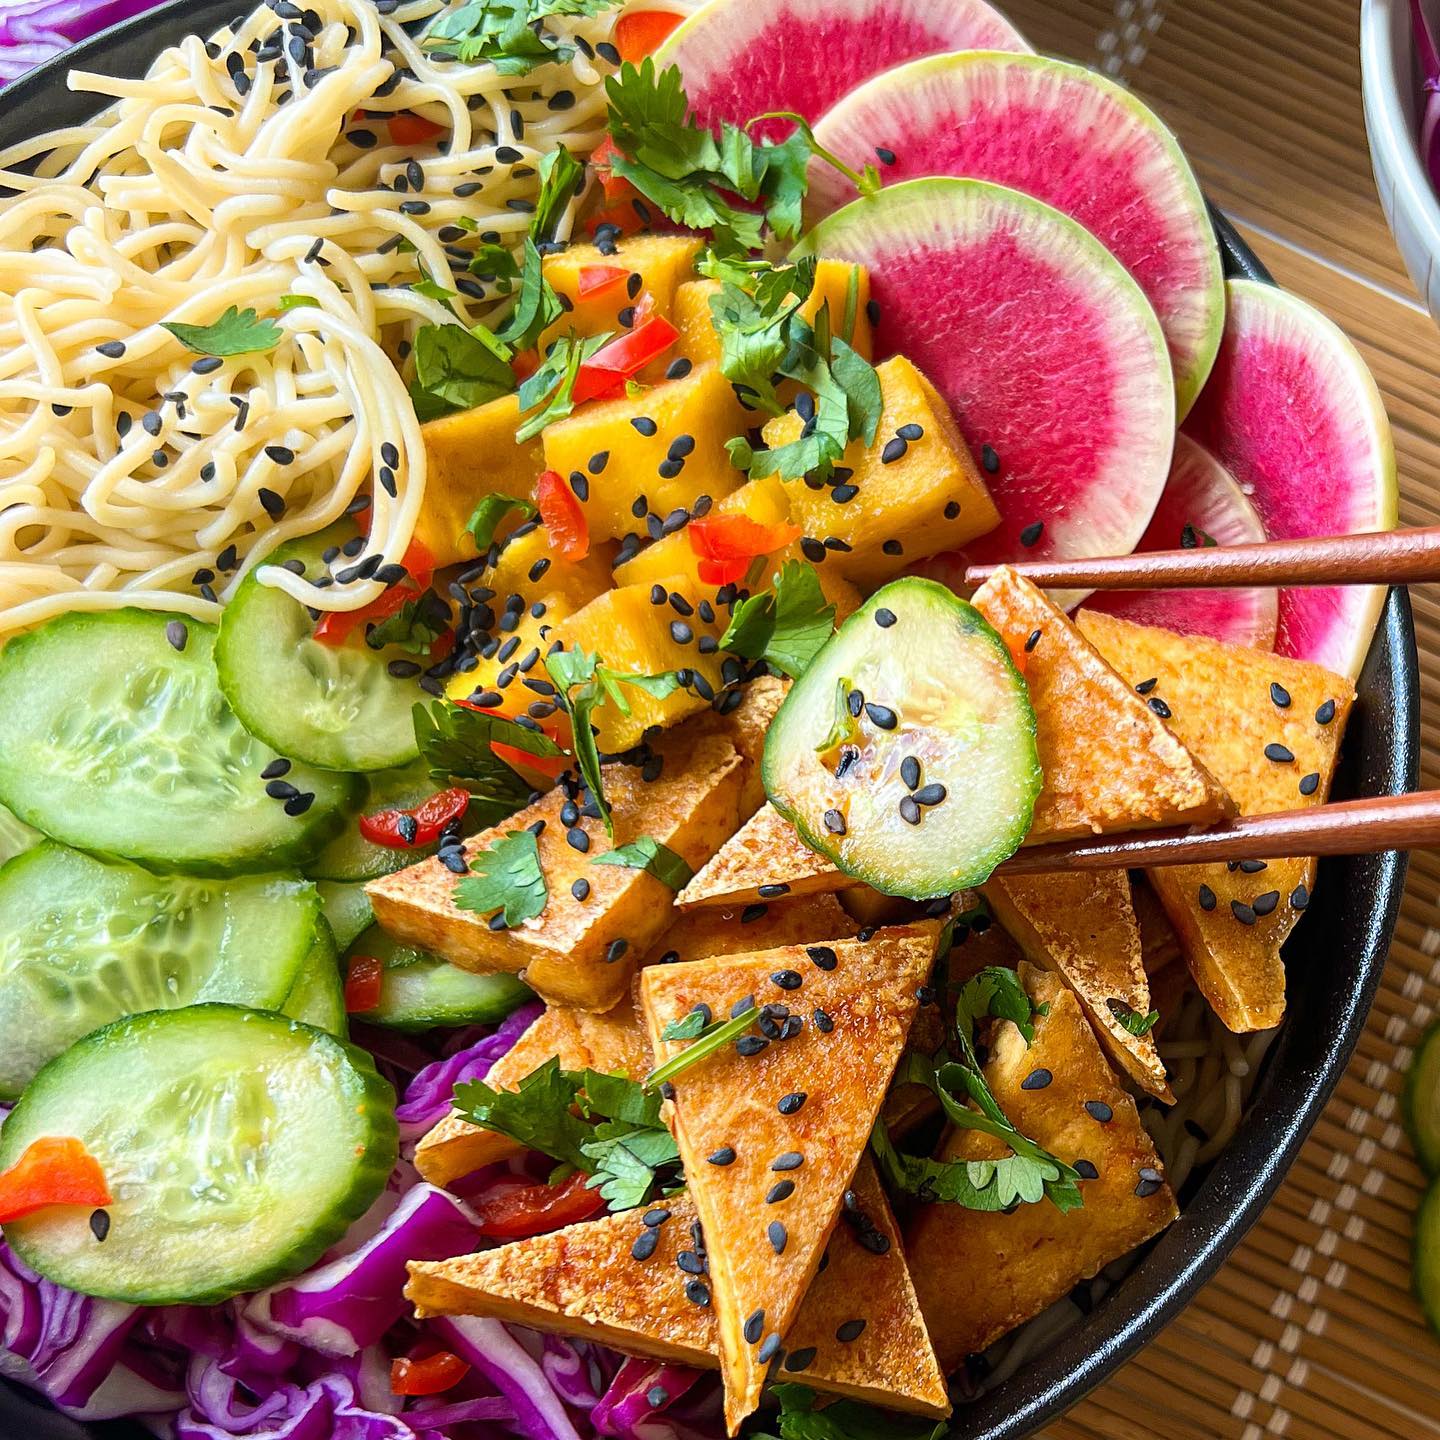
x=1310, y=1330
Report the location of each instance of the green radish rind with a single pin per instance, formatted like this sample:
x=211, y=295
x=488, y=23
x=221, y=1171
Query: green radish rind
x=292, y=1135
x=1425, y=1255
x=420, y=991
x=1420, y=1105
x=350, y=856
x=318, y=995
x=113, y=741
x=333, y=706
x=85, y=941
x=940, y=651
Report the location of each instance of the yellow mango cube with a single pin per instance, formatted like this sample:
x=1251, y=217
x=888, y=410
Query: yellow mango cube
x=619, y=465
x=927, y=496
x=469, y=455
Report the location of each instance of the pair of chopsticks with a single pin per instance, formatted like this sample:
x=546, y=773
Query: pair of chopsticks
x=1350, y=827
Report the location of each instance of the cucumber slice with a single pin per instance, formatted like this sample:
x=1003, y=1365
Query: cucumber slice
x=112, y=740
x=350, y=856
x=238, y=1146
x=318, y=995
x=421, y=991
x=1420, y=1102
x=347, y=908
x=1426, y=1255
x=83, y=942
x=940, y=689
x=16, y=837
x=335, y=706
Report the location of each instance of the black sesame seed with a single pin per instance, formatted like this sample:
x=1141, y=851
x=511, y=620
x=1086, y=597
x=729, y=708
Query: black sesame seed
x=894, y=450
x=275, y=769
x=909, y=810
x=770, y=1349
x=112, y=349
x=1280, y=754
x=849, y=1330
x=1244, y=913
x=725, y=1155
x=791, y=1104
x=645, y=1243
x=778, y=1237
x=798, y=1360
x=690, y=1263
x=1207, y=898
x=645, y=425
x=788, y=1160
x=1099, y=1110
x=177, y=634
x=681, y=633
x=299, y=804
x=1299, y=897
x=822, y=1021
x=822, y=956
x=1279, y=695
x=1086, y=1170
x=788, y=979
x=1037, y=1079
x=1031, y=534
x=834, y=822
x=615, y=950
x=580, y=485
x=754, y=1327
x=752, y=913
x=932, y=794
x=1310, y=783
x=748, y=1045
x=1150, y=1181
x=577, y=839
x=780, y=1190
x=1326, y=713
x=100, y=1224
x=773, y=892
x=884, y=618
x=1266, y=903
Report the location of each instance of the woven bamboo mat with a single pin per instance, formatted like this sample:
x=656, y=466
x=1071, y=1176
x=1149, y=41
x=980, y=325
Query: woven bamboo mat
x=1310, y=1330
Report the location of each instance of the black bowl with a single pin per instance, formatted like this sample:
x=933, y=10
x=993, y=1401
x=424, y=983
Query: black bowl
x=1336, y=956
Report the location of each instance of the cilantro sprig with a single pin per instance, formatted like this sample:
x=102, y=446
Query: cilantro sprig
x=457, y=743
x=1030, y=1173
x=458, y=368
x=648, y=854
x=787, y=625
x=708, y=1039
x=236, y=332
x=506, y=879
x=605, y=1126
x=1132, y=1021
x=488, y=513
x=800, y=1418
x=508, y=34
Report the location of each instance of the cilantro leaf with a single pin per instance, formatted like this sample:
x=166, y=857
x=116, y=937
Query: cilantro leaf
x=456, y=369
x=787, y=625
x=562, y=176
x=489, y=512
x=708, y=1040
x=994, y=991
x=688, y=1027
x=456, y=742
x=506, y=876
x=800, y=1419
x=537, y=1113
x=753, y=324
x=552, y=386
x=507, y=33
x=537, y=307
x=495, y=265
x=649, y=855
x=1132, y=1020
x=236, y=332
x=415, y=627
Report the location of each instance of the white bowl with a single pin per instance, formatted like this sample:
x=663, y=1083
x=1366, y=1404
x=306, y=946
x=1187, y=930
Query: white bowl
x=1389, y=80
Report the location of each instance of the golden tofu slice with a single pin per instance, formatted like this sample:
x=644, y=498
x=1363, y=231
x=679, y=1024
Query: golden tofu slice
x=814, y=1096
x=580, y=952
x=715, y=930
x=614, y=1041
x=1226, y=704
x=469, y=455
x=928, y=498
x=1034, y=1255
x=1081, y=925
x=764, y=853
x=701, y=406
x=584, y=1281
x=1108, y=759
x=698, y=341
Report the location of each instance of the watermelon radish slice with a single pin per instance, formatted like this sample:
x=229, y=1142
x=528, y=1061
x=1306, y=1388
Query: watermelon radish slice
x=1294, y=414
x=1048, y=354
x=1203, y=496
x=1067, y=136
x=741, y=58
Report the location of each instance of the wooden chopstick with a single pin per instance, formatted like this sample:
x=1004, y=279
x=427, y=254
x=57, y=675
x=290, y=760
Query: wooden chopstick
x=1392, y=557
x=1347, y=827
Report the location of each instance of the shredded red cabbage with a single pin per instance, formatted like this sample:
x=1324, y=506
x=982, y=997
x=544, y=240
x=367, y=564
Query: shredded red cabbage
x=32, y=31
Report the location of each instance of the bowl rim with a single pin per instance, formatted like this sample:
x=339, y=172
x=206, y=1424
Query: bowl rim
x=1387, y=60
x=1246, y=1176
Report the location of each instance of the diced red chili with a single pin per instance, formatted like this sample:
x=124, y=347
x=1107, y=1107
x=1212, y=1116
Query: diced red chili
x=421, y=825
x=596, y=279
x=428, y=1376
x=564, y=518
x=363, y=982
x=512, y=755
x=335, y=627
x=410, y=129
x=606, y=371
x=514, y=1212
x=725, y=545
x=51, y=1171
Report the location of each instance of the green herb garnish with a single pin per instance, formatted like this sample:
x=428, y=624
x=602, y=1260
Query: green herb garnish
x=649, y=855
x=508, y=34
x=457, y=742
x=562, y=176
x=537, y=307
x=1132, y=1020
x=787, y=625
x=485, y=518
x=236, y=332
x=505, y=877
x=708, y=1040
x=458, y=369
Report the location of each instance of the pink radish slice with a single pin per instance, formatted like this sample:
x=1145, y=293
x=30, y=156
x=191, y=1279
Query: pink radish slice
x=1067, y=136
x=1048, y=354
x=741, y=58
x=1202, y=495
x=1295, y=416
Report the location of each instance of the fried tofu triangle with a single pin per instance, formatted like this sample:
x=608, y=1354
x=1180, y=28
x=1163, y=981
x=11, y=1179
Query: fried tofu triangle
x=614, y=1041
x=600, y=1280
x=1082, y=926
x=764, y=853
x=978, y=1274
x=1108, y=760
x=772, y=1130
x=1270, y=729
x=581, y=952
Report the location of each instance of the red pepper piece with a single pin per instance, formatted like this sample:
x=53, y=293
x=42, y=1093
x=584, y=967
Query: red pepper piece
x=725, y=545
x=596, y=279
x=515, y=757
x=642, y=33
x=363, y=982
x=564, y=518
x=335, y=627
x=410, y=129
x=429, y=1376
x=514, y=1212
x=615, y=188
x=407, y=829
x=607, y=370
x=51, y=1171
